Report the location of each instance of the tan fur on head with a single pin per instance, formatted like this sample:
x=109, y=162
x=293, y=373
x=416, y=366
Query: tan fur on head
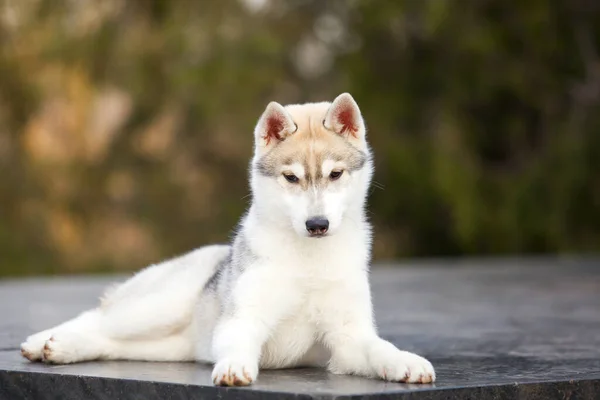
x=331, y=132
x=311, y=161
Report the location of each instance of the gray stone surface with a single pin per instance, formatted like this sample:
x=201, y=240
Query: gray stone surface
x=504, y=329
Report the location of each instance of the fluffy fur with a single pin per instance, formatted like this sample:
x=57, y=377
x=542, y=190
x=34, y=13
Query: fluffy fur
x=280, y=295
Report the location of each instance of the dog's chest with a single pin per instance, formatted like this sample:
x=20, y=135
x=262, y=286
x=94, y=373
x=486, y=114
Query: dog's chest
x=291, y=339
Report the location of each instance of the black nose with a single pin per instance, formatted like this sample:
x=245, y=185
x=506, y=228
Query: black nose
x=317, y=226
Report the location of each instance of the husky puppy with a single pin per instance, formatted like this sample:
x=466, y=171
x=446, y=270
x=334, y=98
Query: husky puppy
x=291, y=290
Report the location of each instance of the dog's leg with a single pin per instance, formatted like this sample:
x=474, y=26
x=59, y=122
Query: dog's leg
x=79, y=339
x=33, y=347
x=356, y=348
x=69, y=347
x=127, y=331
x=368, y=355
x=96, y=334
x=154, y=307
x=239, y=336
x=83, y=339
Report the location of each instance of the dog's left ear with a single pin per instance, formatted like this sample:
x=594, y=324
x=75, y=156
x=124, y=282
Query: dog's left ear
x=344, y=118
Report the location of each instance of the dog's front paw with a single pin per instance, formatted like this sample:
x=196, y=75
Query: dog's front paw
x=401, y=366
x=234, y=372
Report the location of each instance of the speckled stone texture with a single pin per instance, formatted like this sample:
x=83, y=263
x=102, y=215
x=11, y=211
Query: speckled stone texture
x=526, y=329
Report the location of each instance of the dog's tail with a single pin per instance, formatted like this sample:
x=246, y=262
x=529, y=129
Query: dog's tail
x=160, y=300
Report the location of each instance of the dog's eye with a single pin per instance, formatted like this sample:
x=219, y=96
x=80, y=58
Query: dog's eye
x=291, y=178
x=335, y=175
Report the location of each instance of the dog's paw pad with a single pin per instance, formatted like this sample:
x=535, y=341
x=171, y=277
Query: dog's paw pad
x=234, y=373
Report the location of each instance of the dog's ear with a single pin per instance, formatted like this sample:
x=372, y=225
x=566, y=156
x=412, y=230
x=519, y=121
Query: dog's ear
x=344, y=118
x=274, y=125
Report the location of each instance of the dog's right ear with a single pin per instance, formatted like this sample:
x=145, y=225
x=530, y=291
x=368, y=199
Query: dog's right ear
x=274, y=125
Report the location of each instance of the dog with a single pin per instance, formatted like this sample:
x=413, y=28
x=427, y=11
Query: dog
x=292, y=289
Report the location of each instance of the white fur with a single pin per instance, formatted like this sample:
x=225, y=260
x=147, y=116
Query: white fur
x=297, y=301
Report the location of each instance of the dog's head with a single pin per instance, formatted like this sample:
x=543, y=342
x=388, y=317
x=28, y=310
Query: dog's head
x=312, y=166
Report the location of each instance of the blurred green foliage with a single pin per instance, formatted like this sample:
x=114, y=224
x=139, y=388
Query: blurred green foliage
x=125, y=126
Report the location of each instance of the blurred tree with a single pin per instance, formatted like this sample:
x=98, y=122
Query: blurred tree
x=125, y=127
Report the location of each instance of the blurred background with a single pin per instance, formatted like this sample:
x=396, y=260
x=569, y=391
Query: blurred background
x=126, y=126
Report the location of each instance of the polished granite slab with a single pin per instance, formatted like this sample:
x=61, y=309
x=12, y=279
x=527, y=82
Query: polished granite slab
x=512, y=328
